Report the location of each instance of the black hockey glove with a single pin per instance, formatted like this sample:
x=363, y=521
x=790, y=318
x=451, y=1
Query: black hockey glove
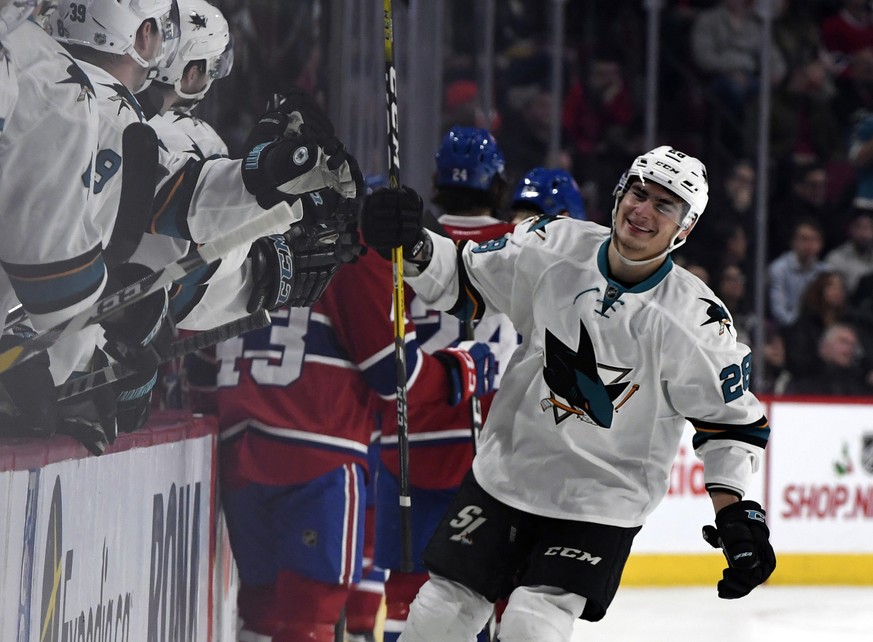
x=272, y=273
x=30, y=401
x=295, y=268
x=292, y=166
x=292, y=150
x=134, y=397
x=296, y=104
x=741, y=532
x=31, y=407
x=471, y=368
x=329, y=219
x=139, y=334
x=393, y=218
x=90, y=418
x=295, y=112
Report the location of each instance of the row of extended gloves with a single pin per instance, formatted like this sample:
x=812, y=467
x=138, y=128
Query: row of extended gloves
x=293, y=151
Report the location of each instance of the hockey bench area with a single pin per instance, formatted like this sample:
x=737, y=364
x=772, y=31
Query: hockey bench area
x=131, y=544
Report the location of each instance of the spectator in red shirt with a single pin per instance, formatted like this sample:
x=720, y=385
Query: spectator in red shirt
x=597, y=116
x=848, y=32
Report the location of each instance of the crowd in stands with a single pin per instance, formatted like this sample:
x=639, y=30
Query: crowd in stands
x=820, y=169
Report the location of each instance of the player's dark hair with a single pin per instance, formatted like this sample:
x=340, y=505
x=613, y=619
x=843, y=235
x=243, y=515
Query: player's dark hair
x=459, y=200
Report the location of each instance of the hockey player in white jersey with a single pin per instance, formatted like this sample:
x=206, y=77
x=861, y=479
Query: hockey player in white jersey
x=292, y=150
x=620, y=347
x=121, y=45
x=50, y=249
x=205, y=55
x=249, y=277
x=53, y=109
x=198, y=200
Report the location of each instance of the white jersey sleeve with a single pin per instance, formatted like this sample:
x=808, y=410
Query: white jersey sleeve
x=707, y=374
x=602, y=384
x=219, y=293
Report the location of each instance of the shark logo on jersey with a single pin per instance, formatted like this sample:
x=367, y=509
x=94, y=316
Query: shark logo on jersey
x=717, y=314
x=78, y=77
x=124, y=99
x=580, y=386
x=198, y=20
x=195, y=149
x=539, y=225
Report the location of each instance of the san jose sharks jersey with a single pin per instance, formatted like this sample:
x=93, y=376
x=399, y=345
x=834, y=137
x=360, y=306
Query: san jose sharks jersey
x=591, y=408
x=438, y=330
x=50, y=247
x=195, y=200
x=182, y=131
x=197, y=304
x=441, y=451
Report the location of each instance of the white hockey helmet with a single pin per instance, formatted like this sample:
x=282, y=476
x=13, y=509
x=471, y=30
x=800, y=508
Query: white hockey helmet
x=205, y=35
x=13, y=13
x=676, y=171
x=111, y=26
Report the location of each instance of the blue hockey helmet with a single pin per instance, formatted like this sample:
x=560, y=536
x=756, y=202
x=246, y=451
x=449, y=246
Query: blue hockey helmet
x=468, y=157
x=374, y=182
x=552, y=191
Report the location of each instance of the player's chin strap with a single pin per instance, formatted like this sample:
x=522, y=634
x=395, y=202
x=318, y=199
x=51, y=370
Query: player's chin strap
x=194, y=98
x=674, y=243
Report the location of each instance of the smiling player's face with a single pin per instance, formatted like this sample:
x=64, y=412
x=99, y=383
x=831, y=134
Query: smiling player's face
x=647, y=219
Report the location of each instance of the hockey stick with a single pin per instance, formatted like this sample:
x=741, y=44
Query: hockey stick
x=260, y=226
x=139, y=178
x=114, y=372
x=399, y=304
x=475, y=402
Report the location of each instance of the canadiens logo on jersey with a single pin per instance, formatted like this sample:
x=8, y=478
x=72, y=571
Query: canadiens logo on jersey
x=716, y=313
x=581, y=387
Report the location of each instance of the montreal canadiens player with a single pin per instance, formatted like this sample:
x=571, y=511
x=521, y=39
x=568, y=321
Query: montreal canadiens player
x=620, y=347
x=294, y=460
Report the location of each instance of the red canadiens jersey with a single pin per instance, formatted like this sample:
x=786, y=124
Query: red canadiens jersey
x=440, y=450
x=296, y=399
